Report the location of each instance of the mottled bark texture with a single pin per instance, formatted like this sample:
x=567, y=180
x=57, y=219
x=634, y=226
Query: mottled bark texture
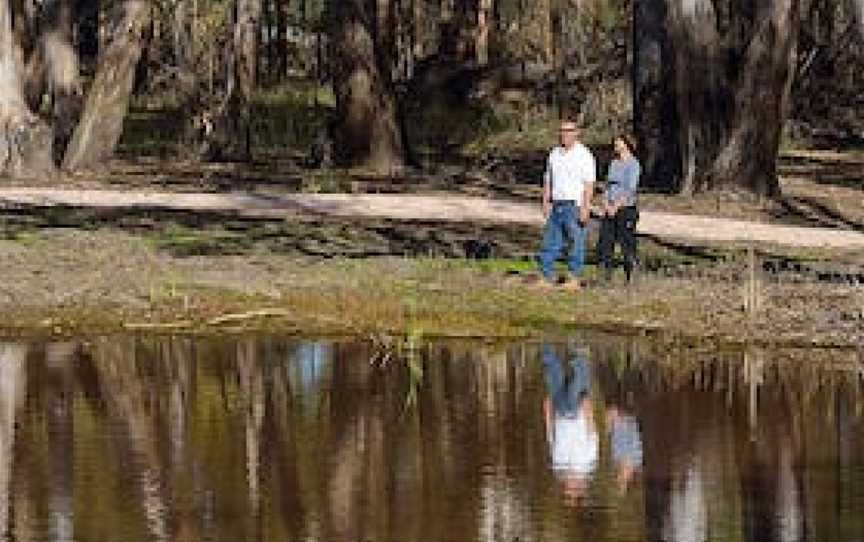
x=368, y=132
x=712, y=88
x=101, y=124
x=25, y=141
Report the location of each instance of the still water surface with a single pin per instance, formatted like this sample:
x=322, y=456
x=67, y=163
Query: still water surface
x=597, y=438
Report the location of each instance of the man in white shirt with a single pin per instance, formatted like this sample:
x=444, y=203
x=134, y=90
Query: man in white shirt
x=568, y=185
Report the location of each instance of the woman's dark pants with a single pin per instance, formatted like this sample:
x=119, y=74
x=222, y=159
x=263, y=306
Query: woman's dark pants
x=620, y=229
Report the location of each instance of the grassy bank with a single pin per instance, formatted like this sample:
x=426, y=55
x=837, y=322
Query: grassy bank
x=79, y=282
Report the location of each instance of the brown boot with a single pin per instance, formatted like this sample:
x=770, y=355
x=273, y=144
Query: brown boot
x=545, y=285
x=572, y=285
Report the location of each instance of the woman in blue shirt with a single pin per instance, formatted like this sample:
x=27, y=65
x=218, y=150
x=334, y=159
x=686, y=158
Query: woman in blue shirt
x=619, y=212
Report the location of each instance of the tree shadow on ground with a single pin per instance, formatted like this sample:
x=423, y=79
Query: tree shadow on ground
x=515, y=177
x=809, y=211
x=184, y=233
x=190, y=234
x=825, y=168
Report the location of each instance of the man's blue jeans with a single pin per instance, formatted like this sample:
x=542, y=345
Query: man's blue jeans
x=567, y=384
x=561, y=226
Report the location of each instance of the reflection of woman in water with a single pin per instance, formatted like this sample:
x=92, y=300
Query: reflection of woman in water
x=626, y=443
x=570, y=429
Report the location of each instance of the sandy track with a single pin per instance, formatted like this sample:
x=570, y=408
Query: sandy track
x=420, y=207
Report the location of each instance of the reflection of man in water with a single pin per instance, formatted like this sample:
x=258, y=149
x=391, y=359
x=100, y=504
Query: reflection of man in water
x=570, y=429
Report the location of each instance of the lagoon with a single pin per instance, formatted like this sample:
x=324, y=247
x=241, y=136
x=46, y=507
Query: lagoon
x=585, y=437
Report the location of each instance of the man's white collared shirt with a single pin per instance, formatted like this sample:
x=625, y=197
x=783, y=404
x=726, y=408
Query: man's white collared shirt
x=569, y=170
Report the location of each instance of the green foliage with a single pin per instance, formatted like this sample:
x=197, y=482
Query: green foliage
x=286, y=118
x=291, y=115
x=442, y=125
x=151, y=132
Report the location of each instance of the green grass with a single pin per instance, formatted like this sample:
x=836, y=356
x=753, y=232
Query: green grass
x=181, y=241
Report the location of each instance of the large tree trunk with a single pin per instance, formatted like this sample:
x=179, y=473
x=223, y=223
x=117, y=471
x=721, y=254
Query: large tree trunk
x=25, y=142
x=28, y=53
x=728, y=71
x=368, y=130
x=746, y=155
x=653, y=96
x=101, y=123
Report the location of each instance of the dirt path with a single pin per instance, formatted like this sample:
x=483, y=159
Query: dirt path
x=264, y=204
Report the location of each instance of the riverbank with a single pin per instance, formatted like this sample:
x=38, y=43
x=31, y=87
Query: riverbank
x=73, y=281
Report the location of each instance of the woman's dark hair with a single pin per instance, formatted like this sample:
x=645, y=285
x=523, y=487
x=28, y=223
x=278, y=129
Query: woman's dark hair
x=628, y=140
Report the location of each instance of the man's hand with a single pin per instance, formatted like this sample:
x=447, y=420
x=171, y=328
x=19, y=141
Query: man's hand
x=584, y=214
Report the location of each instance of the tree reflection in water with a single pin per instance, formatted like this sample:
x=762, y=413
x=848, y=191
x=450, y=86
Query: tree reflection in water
x=264, y=438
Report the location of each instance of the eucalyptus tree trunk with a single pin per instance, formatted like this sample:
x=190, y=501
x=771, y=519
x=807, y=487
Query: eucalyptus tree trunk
x=246, y=65
x=418, y=29
x=729, y=71
x=101, y=124
x=25, y=141
x=544, y=10
x=28, y=54
x=184, y=38
x=484, y=22
x=368, y=130
x=246, y=45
